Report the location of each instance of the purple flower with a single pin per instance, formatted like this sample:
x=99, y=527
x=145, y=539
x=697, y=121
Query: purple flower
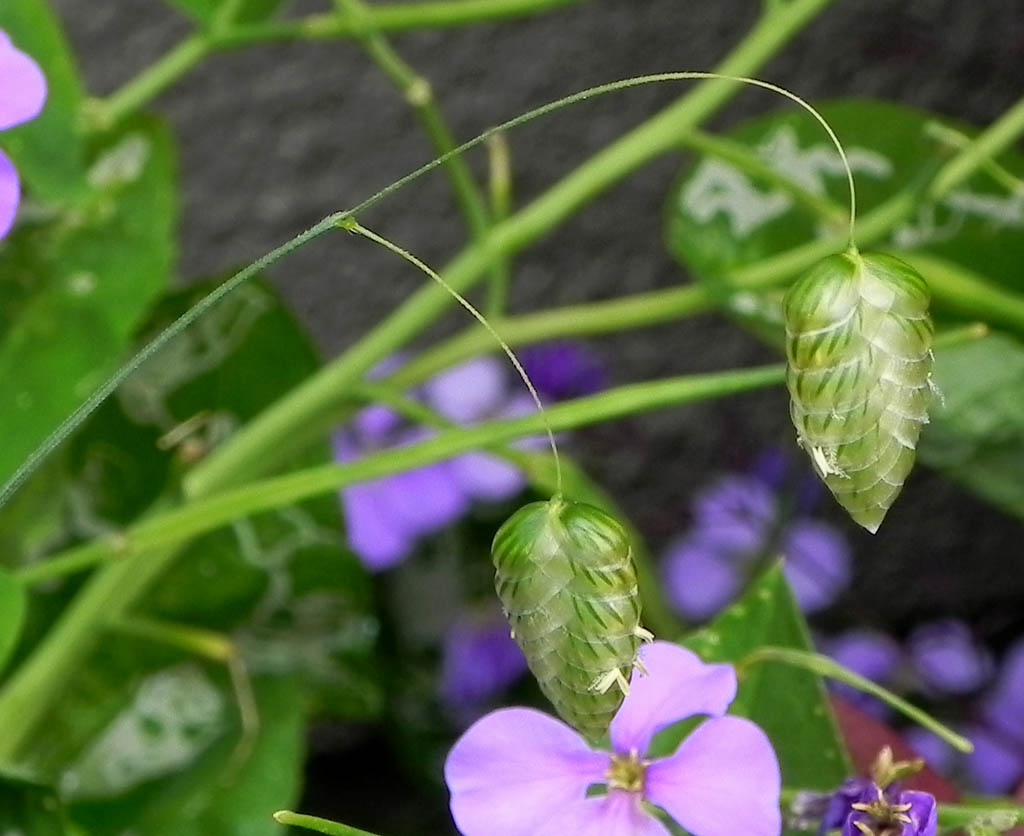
x=22, y=94
x=466, y=394
x=698, y=581
x=385, y=517
x=519, y=772
x=937, y=753
x=1002, y=707
x=861, y=808
x=947, y=657
x=740, y=509
x=479, y=661
x=997, y=763
x=873, y=655
x=817, y=563
x=563, y=369
x=736, y=524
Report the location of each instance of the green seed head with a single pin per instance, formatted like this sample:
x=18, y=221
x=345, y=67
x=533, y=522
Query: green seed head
x=858, y=341
x=566, y=579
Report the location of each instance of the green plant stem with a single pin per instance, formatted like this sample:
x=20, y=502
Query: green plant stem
x=964, y=292
x=34, y=686
x=991, y=142
x=103, y=114
x=181, y=524
x=499, y=161
x=390, y=17
x=169, y=68
x=957, y=816
x=419, y=93
x=542, y=474
x=590, y=318
x=824, y=666
x=310, y=408
x=330, y=828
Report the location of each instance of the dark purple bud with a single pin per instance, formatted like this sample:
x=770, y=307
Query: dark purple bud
x=562, y=370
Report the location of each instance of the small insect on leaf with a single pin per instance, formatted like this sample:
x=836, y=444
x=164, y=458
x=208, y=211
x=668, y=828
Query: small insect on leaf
x=566, y=579
x=859, y=345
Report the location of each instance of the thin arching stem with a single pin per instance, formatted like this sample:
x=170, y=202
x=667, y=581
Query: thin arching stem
x=353, y=226
x=73, y=421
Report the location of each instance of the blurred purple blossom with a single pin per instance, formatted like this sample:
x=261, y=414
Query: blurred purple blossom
x=997, y=763
x=385, y=518
x=518, y=772
x=948, y=658
x=738, y=522
x=22, y=95
x=563, y=369
x=937, y=753
x=871, y=654
x=479, y=661
x=817, y=563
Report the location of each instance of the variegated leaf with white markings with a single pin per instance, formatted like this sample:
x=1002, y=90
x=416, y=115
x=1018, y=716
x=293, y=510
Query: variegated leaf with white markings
x=566, y=579
x=858, y=342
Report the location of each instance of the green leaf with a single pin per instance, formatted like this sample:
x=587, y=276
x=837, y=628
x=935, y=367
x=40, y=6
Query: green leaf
x=85, y=280
x=12, y=616
x=225, y=792
x=281, y=585
x=30, y=808
x=49, y=151
x=790, y=705
x=977, y=432
x=207, y=12
x=720, y=217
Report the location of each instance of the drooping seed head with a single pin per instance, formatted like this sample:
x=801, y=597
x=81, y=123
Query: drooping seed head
x=859, y=346
x=567, y=582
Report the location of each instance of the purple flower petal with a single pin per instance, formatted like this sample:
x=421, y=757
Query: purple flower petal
x=741, y=508
x=700, y=579
x=997, y=763
x=817, y=563
x=373, y=533
x=486, y=477
x=376, y=424
x=1002, y=707
x=871, y=654
x=515, y=769
x=424, y=500
x=470, y=391
x=923, y=813
x=23, y=91
x=948, y=658
x=618, y=813
x=723, y=781
x=564, y=369
x=10, y=194
x=677, y=685
x=937, y=753
x=480, y=660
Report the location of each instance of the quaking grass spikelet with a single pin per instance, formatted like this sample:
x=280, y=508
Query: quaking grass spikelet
x=859, y=346
x=567, y=582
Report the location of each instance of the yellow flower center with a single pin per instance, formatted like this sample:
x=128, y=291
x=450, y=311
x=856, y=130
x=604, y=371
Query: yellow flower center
x=626, y=772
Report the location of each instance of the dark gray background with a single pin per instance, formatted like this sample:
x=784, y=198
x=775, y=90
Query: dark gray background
x=274, y=137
